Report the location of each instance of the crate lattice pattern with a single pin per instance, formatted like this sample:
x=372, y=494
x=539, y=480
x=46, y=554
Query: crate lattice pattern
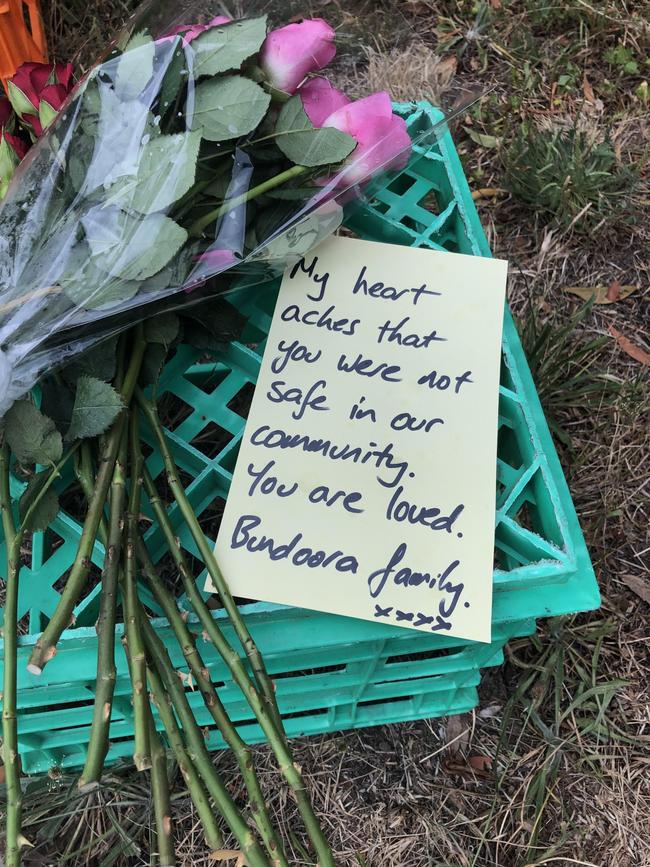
x=360, y=673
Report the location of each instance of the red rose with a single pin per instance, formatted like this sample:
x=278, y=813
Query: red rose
x=37, y=91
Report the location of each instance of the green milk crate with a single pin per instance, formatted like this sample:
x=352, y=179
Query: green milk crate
x=331, y=672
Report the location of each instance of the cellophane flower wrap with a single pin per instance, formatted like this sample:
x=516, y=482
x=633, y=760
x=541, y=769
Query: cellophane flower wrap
x=200, y=148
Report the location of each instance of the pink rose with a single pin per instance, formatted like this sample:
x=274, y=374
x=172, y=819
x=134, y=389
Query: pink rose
x=320, y=99
x=290, y=53
x=35, y=84
x=214, y=261
x=191, y=31
x=382, y=138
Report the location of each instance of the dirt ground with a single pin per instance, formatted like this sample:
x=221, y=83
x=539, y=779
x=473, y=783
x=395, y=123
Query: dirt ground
x=553, y=765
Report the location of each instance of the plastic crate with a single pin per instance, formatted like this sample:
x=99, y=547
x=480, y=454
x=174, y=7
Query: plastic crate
x=332, y=672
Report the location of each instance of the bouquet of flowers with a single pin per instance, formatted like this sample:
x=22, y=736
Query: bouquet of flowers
x=194, y=157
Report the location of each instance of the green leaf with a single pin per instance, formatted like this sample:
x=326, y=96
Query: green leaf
x=20, y=103
x=122, y=128
x=8, y=163
x=162, y=328
x=91, y=288
x=166, y=171
x=48, y=505
x=223, y=48
x=57, y=400
x=89, y=104
x=290, y=244
x=46, y=113
x=175, y=77
x=96, y=406
x=482, y=139
x=152, y=364
x=229, y=107
x=99, y=361
x=305, y=145
x=32, y=436
x=79, y=157
x=219, y=321
x=135, y=67
x=129, y=247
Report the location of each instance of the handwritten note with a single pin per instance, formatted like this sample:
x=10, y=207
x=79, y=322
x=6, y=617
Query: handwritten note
x=365, y=482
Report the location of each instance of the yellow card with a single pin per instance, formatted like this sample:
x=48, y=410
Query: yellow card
x=365, y=482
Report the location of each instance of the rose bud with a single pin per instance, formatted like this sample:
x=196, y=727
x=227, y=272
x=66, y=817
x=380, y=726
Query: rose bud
x=292, y=52
x=382, y=138
x=52, y=98
x=12, y=150
x=28, y=86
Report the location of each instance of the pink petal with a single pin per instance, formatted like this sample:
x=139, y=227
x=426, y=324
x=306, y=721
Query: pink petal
x=219, y=20
x=210, y=263
x=292, y=52
x=365, y=119
x=191, y=31
x=217, y=259
x=320, y=99
x=382, y=138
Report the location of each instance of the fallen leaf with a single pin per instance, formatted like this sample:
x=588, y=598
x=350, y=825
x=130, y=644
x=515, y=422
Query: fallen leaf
x=588, y=90
x=482, y=139
x=603, y=294
x=638, y=586
x=614, y=291
x=476, y=766
x=630, y=348
x=480, y=763
x=229, y=855
x=495, y=4
x=488, y=193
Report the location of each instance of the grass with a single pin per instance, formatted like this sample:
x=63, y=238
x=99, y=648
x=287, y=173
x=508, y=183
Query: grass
x=551, y=767
x=569, y=177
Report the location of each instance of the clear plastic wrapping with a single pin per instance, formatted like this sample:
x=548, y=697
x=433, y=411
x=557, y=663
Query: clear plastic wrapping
x=198, y=149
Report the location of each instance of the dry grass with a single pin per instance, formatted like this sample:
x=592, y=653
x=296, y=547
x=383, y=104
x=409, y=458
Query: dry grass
x=552, y=767
x=403, y=72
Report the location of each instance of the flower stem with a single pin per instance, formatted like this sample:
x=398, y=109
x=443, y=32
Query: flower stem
x=260, y=674
x=10, y=756
x=161, y=798
x=201, y=224
x=251, y=850
x=86, y=478
x=271, y=723
x=106, y=672
x=45, y=647
x=53, y=476
x=212, y=701
x=133, y=643
x=197, y=790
